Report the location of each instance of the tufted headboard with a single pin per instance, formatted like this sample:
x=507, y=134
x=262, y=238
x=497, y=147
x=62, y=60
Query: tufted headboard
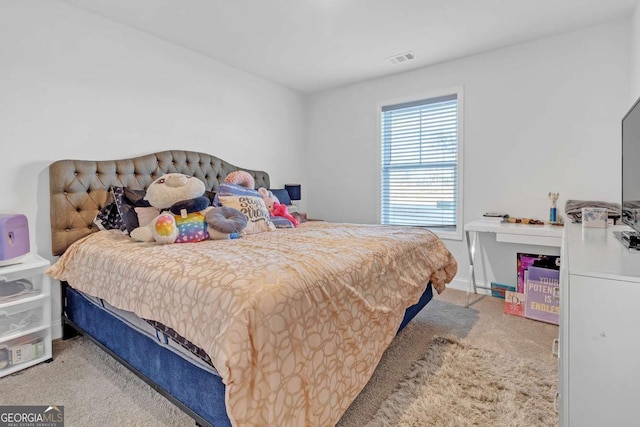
x=79, y=188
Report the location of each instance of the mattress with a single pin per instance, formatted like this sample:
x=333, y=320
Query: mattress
x=197, y=392
x=145, y=328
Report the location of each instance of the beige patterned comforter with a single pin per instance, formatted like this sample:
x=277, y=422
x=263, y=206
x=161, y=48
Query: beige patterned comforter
x=294, y=320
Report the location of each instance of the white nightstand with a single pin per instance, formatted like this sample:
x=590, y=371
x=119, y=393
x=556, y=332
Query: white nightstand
x=25, y=314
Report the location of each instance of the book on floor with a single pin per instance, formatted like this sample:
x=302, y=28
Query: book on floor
x=514, y=303
x=526, y=260
x=542, y=295
x=498, y=289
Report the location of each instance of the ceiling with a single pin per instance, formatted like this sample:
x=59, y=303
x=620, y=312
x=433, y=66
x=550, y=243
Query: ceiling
x=314, y=45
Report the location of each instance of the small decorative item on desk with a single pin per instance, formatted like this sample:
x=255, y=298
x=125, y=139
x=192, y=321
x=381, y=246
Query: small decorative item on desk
x=553, y=212
x=559, y=221
x=495, y=216
x=594, y=217
x=525, y=221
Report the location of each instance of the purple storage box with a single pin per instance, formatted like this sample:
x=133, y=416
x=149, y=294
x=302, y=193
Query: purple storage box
x=14, y=238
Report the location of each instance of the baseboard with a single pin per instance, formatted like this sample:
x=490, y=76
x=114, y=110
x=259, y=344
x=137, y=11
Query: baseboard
x=56, y=329
x=463, y=285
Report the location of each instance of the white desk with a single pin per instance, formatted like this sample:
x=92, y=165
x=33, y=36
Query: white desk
x=524, y=234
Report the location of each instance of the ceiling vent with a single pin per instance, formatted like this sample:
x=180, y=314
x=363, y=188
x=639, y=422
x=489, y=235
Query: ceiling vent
x=402, y=57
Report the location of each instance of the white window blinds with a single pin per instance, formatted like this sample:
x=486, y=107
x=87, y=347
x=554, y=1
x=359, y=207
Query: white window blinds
x=420, y=162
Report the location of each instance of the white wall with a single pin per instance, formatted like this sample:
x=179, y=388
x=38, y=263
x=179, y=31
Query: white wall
x=73, y=85
x=635, y=56
x=538, y=117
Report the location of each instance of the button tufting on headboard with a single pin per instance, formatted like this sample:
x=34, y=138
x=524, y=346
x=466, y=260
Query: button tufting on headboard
x=79, y=187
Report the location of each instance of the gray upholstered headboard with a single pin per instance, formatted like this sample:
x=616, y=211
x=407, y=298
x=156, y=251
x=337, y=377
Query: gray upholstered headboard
x=79, y=188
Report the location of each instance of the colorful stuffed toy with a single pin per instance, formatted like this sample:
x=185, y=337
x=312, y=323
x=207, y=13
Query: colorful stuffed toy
x=185, y=210
x=242, y=178
x=275, y=207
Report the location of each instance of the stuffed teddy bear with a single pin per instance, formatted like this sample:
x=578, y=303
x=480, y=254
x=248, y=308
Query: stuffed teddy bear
x=184, y=211
x=275, y=207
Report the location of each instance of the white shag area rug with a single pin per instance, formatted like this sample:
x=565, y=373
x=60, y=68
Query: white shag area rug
x=455, y=384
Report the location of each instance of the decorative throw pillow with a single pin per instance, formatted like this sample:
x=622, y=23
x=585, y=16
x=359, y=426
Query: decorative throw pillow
x=281, y=222
x=146, y=214
x=128, y=215
x=119, y=210
x=135, y=197
x=229, y=189
x=211, y=195
x=253, y=208
x=300, y=217
x=109, y=218
x=282, y=195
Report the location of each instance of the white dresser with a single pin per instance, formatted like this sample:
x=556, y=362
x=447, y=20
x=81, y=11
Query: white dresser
x=599, y=355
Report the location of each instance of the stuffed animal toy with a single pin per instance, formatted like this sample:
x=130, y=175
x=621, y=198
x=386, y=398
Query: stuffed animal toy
x=184, y=207
x=225, y=223
x=242, y=178
x=275, y=207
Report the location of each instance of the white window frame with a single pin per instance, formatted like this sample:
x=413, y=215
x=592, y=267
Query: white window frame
x=459, y=92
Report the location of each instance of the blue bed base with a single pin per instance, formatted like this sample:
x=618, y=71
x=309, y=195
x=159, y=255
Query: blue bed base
x=172, y=376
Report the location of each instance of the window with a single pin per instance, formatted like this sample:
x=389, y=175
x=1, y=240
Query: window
x=421, y=163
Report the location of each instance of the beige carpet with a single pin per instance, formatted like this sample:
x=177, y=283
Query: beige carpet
x=97, y=391
x=94, y=389
x=455, y=384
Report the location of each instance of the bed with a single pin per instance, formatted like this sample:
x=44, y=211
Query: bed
x=293, y=321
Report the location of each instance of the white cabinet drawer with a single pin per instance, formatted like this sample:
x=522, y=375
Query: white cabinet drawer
x=32, y=266
x=18, y=319
x=14, y=291
x=24, y=351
